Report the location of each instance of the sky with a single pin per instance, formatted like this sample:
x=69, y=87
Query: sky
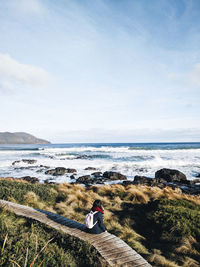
x=101, y=70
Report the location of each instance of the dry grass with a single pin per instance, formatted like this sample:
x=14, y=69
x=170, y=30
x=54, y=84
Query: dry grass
x=190, y=263
x=33, y=200
x=137, y=194
x=187, y=246
x=74, y=201
x=157, y=260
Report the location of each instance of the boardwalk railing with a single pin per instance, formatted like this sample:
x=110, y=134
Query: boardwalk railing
x=114, y=250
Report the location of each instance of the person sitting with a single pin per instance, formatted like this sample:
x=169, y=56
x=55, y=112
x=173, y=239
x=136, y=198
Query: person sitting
x=99, y=226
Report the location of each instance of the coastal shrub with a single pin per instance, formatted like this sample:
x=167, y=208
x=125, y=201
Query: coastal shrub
x=176, y=219
x=17, y=190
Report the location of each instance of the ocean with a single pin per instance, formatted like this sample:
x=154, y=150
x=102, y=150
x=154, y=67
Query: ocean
x=129, y=159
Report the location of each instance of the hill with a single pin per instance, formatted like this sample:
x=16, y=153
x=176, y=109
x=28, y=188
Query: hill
x=20, y=138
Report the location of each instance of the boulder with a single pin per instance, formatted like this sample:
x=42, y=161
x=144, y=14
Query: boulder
x=191, y=189
x=29, y=161
x=90, y=169
x=127, y=182
x=114, y=176
x=85, y=179
x=195, y=181
x=57, y=171
x=40, y=170
x=169, y=175
x=44, y=166
x=97, y=174
x=68, y=170
x=49, y=181
x=143, y=180
x=15, y=162
x=32, y=180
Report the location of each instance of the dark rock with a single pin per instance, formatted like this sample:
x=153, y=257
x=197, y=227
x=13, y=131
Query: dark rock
x=49, y=181
x=100, y=182
x=198, y=175
x=114, y=176
x=70, y=170
x=72, y=177
x=128, y=182
x=90, y=169
x=15, y=162
x=195, y=181
x=44, y=166
x=26, y=168
x=97, y=174
x=85, y=179
x=40, y=170
x=50, y=172
x=57, y=171
x=191, y=189
x=169, y=175
x=143, y=180
x=29, y=161
x=141, y=170
x=32, y=180
x=84, y=157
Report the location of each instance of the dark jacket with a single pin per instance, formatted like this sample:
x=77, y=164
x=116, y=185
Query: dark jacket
x=99, y=226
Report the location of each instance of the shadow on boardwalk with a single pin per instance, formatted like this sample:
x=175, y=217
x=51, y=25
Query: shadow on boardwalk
x=63, y=220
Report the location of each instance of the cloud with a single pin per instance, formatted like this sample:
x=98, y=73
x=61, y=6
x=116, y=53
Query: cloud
x=194, y=75
x=28, y=7
x=126, y=135
x=14, y=74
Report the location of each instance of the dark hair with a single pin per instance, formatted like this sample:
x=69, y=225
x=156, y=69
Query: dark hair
x=97, y=203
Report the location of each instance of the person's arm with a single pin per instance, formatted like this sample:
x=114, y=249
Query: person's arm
x=100, y=222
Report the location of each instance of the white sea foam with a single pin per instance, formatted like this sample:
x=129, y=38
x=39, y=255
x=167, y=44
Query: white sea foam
x=128, y=161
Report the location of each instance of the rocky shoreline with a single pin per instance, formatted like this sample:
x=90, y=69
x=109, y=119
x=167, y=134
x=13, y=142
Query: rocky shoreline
x=163, y=177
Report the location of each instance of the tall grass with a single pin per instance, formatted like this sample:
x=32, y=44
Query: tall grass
x=161, y=224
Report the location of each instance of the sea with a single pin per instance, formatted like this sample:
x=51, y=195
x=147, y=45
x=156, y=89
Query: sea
x=129, y=159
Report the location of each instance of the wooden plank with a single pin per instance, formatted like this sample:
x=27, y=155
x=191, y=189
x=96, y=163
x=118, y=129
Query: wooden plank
x=98, y=236
x=99, y=242
x=132, y=263
x=119, y=254
x=92, y=237
x=126, y=258
x=112, y=251
x=109, y=245
x=136, y=260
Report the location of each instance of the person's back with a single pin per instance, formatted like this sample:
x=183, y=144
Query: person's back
x=99, y=226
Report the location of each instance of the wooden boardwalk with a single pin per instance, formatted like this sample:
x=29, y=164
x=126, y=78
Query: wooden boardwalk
x=114, y=250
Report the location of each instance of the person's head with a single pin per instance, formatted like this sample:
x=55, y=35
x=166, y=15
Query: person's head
x=97, y=203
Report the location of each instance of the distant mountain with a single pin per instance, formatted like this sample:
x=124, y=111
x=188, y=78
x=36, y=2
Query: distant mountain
x=20, y=138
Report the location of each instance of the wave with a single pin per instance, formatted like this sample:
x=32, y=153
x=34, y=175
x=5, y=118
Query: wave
x=19, y=149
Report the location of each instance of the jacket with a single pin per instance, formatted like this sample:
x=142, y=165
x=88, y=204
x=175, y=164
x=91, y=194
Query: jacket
x=99, y=227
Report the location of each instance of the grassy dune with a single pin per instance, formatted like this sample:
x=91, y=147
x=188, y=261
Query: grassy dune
x=161, y=224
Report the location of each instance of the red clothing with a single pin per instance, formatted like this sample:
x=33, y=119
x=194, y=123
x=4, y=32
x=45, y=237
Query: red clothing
x=97, y=209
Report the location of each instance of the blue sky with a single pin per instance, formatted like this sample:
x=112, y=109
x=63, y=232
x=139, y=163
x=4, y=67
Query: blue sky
x=101, y=71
